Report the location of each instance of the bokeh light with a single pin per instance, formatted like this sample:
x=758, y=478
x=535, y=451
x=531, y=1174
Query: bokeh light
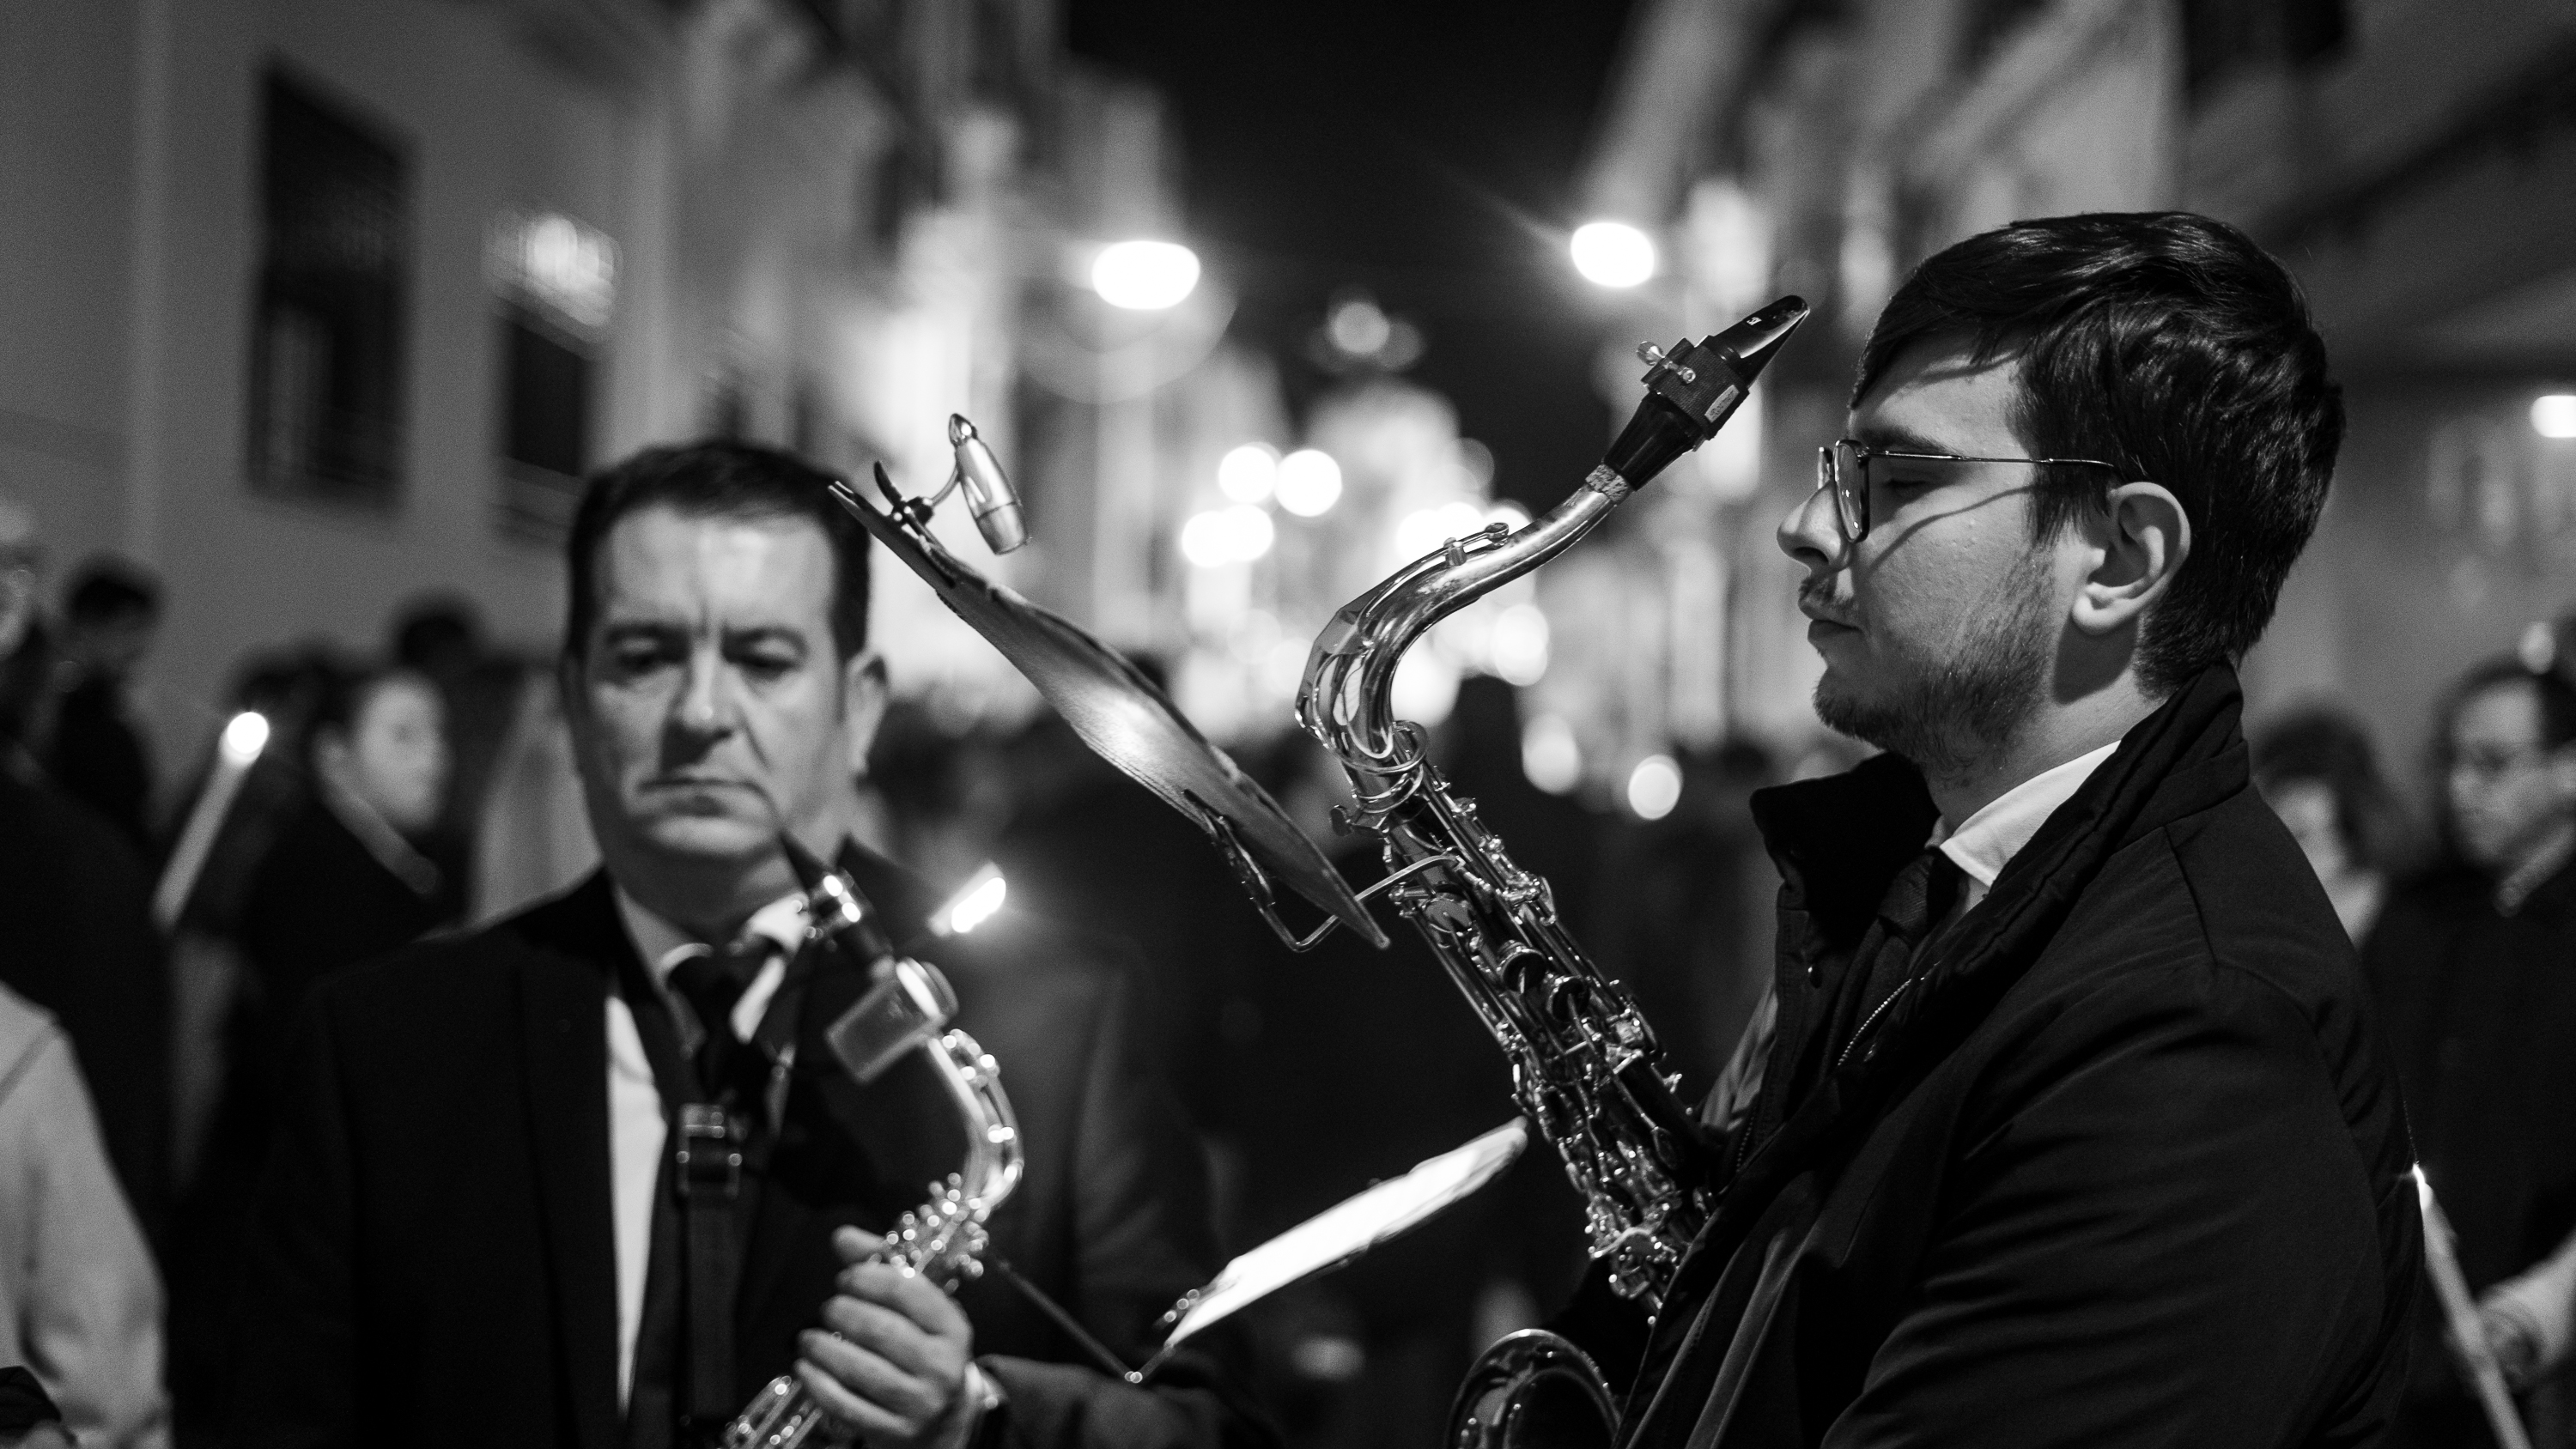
x=1613, y=254
x=1654, y=787
x=1549, y=754
x=2554, y=415
x=1145, y=276
x=1219, y=536
x=1519, y=645
x=1309, y=483
x=1249, y=473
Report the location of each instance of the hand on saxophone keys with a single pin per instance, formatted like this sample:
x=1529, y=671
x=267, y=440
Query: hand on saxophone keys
x=895, y=1360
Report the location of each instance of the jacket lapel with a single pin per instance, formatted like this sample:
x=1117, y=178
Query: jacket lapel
x=563, y=994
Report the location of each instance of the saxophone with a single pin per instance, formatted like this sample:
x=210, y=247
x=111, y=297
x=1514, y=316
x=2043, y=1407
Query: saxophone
x=943, y=1239
x=1585, y=1066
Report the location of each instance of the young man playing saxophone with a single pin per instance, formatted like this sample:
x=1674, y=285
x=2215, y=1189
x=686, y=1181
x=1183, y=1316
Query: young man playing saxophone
x=2073, y=1128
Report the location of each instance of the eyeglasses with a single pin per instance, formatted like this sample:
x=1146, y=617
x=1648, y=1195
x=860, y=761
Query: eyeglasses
x=1846, y=465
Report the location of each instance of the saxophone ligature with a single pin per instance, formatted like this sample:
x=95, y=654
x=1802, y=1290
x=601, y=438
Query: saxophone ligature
x=906, y=1010
x=1585, y=1066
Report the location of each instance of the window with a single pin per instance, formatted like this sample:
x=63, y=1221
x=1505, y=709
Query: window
x=2221, y=36
x=557, y=281
x=326, y=329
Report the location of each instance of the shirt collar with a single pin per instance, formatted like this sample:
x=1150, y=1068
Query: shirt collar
x=1985, y=841
x=661, y=944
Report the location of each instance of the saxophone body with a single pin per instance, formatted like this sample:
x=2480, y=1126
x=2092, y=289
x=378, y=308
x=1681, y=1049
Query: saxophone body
x=1586, y=1067
x=943, y=1239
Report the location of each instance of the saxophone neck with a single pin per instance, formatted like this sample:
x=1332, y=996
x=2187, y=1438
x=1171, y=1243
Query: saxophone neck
x=1346, y=697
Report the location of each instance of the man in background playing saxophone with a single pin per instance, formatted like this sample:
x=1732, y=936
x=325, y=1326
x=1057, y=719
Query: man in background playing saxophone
x=474, y=1227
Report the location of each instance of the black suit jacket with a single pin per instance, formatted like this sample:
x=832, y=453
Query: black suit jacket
x=2124, y=1164
x=434, y=1264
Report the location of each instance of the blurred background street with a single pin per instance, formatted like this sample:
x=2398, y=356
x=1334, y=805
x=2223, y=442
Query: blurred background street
x=314, y=314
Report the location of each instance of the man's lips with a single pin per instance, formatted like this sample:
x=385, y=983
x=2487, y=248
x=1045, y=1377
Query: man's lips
x=695, y=783
x=1819, y=612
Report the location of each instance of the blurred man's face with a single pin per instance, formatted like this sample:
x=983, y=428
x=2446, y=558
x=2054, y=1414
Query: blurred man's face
x=2508, y=795
x=708, y=704
x=1939, y=626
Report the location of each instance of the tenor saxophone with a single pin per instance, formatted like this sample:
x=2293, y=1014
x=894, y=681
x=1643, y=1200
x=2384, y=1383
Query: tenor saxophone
x=1585, y=1065
x=943, y=1239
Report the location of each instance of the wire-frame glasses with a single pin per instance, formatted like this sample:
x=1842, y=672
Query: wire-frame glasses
x=1846, y=464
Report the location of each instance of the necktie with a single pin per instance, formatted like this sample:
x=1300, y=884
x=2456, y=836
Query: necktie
x=712, y=983
x=1916, y=901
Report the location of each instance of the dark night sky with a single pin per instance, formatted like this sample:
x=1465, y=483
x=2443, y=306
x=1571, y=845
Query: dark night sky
x=1425, y=150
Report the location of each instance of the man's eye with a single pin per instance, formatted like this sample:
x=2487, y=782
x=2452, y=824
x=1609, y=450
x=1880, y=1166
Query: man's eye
x=766, y=664
x=639, y=658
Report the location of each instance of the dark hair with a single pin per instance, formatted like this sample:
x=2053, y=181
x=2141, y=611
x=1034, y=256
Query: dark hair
x=2556, y=697
x=436, y=631
x=2325, y=746
x=106, y=587
x=2167, y=345
x=720, y=478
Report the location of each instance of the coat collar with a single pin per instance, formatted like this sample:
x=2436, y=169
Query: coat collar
x=1839, y=840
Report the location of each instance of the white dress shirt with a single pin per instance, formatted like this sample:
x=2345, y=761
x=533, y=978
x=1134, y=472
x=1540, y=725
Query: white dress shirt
x=1987, y=840
x=636, y=1130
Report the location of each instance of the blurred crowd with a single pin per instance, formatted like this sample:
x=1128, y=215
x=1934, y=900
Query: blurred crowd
x=157, y=936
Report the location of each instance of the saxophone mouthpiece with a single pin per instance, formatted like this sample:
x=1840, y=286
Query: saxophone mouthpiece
x=1694, y=388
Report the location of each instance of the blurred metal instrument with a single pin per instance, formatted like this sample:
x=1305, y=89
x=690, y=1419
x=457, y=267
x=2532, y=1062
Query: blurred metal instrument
x=1115, y=709
x=2460, y=1313
x=943, y=1239
x=1585, y=1065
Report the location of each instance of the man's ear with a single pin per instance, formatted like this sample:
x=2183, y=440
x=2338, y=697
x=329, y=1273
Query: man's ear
x=2140, y=540
x=864, y=695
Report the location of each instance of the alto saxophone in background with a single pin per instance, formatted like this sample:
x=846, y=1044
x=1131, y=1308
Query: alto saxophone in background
x=1585, y=1065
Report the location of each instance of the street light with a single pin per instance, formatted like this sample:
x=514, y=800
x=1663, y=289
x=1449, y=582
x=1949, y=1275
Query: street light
x=1145, y=276
x=1613, y=253
x=2553, y=415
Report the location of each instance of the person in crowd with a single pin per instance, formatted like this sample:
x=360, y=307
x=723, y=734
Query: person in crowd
x=2072, y=1127
x=94, y=752
x=80, y=1303
x=2317, y=771
x=2474, y=968
x=359, y=871
x=440, y=637
x=473, y=1230
x=76, y=932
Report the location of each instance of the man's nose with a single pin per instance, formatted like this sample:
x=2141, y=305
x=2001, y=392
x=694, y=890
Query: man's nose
x=1812, y=534
x=706, y=703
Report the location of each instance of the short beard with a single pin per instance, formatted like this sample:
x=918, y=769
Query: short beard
x=1962, y=710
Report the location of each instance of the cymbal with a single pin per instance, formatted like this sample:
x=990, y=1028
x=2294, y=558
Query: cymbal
x=1125, y=720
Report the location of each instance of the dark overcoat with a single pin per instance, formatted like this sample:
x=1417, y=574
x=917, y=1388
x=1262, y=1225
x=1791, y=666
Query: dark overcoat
x=2124, y=1165
x=434, y=1263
